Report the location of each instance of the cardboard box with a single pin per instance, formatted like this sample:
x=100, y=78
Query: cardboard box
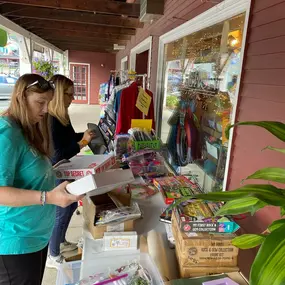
x=101, y=183
x=82, y=165
x=95, y=203
x=204, y=249
x=196, y=271
x=208, y=225
x=235, y=276
x=120, y=241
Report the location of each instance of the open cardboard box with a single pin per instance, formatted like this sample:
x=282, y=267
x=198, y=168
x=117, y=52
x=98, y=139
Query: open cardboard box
x=101, y=183
x=82, y=165
x=95, y=204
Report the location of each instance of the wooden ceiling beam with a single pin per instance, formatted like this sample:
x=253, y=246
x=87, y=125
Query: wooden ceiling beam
x=68, y=16
x=64, y=26
x=70, y=43
x=86, y=48
x=98, y=6
x=76, y=35
x=84, y=40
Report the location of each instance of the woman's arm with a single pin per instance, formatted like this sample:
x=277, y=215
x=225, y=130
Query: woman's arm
x=79, y=136
x=14, y=197
x=65, y=146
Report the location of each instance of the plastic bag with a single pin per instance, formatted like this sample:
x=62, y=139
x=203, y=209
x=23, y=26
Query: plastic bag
x=118, y=215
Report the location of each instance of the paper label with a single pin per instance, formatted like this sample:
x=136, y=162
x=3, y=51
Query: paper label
x=120, y=243
x=142, y=124
x=220, y=253
x=191, y=235
x=116, y=228
x=143, y=102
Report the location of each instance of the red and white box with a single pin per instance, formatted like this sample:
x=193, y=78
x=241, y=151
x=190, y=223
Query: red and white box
x=82, y=165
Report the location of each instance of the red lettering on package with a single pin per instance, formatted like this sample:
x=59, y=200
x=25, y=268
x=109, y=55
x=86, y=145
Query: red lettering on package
x=92, y=165
x=77, y=173
x=66, y=173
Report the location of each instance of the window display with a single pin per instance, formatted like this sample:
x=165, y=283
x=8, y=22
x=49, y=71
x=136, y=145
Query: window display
x=200, y=77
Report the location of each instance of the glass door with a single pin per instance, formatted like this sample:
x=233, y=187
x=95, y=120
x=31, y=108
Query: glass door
x=79, y=74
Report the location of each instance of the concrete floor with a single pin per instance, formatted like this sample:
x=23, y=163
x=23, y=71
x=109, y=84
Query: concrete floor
x=80, y=115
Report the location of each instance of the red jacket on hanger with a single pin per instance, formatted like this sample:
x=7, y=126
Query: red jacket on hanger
x=129, y=111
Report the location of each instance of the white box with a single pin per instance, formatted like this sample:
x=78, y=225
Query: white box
x=83, y=165
x=101, y=183
x=120, y=241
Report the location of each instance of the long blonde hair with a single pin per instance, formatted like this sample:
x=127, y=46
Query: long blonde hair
x=56, y=107
x=37, y=135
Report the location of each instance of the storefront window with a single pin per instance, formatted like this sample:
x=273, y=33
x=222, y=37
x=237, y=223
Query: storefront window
x=200, y=76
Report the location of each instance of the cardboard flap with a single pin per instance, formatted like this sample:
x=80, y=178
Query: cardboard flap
x=120, y=199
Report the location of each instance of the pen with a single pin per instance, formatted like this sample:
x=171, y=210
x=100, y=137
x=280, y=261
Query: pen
x=111, y=280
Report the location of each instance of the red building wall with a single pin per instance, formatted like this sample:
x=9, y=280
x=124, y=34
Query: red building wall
x=262, y=97
x=98, y=74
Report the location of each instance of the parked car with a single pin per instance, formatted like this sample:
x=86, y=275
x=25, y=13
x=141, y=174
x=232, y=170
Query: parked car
x=7, y=84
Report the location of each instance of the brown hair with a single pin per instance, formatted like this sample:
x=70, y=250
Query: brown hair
x=56, y=107
x=37, y=135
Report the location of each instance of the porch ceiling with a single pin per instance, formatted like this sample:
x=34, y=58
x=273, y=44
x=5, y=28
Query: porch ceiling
x=94, y=25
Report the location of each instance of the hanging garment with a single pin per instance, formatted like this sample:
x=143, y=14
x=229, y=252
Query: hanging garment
x=129, y=111
x=111, y=85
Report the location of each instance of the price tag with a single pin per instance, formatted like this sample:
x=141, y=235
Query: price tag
x=143, y=101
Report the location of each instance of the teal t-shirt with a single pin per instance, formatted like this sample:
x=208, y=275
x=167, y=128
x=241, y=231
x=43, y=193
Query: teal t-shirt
x=23, y=229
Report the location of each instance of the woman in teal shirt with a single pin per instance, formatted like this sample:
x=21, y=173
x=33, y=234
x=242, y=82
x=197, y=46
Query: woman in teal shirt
x=27, y=184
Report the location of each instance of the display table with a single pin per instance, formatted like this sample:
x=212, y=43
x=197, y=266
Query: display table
x=152, y=238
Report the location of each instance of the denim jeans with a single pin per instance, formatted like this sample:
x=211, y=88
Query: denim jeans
x=63, y=217
x=62, y=220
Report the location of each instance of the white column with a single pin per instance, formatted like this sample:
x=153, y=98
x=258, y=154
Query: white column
x=66, y=64
x=25, y=55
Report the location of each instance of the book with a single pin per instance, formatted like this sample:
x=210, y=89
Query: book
x=176, y=187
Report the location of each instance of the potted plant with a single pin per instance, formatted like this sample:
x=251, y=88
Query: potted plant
x=45, y=68
x=268, y=267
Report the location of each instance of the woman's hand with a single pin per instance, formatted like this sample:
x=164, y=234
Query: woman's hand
x=88, y=135
x=59, y=196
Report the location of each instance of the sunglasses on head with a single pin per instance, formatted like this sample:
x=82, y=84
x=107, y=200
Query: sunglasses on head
x=43, y=84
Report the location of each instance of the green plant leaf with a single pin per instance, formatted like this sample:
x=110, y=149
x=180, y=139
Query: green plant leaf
x=276, y=225
x=282, y=150
x=240, y=206
x=268, y=266
x=248, y=241
x=265, y=193
x=270, y=173
x=282, y=211
x=275, y=128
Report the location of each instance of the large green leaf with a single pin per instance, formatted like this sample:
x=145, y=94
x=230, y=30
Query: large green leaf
x=3, y=38
x=240, y=206
x=266, y=193
x=282, y=211
x=275, y=128
x=276, y=225
x=268, y=266
x=248, y=241
x=270, y=173
x=282, y=150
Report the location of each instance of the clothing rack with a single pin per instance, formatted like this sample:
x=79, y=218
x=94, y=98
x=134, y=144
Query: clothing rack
x=144, y=76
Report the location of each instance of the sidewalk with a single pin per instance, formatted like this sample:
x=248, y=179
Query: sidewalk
x=80, y=115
